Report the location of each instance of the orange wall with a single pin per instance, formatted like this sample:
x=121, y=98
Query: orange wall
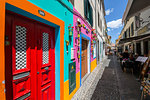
x=2, y=29
x=68, y=96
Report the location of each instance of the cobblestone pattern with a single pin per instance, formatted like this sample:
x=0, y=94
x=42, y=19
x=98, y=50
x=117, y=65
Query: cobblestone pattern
x=109, y=82
x=86, y=90
x=98, y=76
x=107, y=87
x=129, y=87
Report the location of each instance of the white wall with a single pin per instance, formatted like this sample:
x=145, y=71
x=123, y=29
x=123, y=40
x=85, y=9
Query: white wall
x=145, y=17
x=79, y=6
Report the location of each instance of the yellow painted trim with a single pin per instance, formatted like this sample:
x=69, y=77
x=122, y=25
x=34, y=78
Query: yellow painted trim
x=93, y=65
x=66, y=88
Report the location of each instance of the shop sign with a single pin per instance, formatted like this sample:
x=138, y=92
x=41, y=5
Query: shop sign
x=144, y=29
x=142, y=59
x=41, y=12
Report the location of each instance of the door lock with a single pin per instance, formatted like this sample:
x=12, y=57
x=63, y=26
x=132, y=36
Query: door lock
x=37, y=72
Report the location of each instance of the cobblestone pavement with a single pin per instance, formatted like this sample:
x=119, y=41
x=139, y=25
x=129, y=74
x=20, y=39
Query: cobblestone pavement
x=116, y=85
x=107, y=87
x=109, y=82
x=87, y=88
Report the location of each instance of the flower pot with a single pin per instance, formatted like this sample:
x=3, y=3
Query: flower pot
x=67, y=42
x=70, y=33
x=78, y=35
x=78, y=56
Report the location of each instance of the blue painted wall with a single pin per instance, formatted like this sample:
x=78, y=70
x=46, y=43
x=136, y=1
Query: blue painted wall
x=62, y=12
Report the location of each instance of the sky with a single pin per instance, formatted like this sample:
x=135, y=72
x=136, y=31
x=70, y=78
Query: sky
x=114, y=11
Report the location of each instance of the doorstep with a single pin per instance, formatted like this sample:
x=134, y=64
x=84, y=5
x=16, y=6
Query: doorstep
x=88, y=86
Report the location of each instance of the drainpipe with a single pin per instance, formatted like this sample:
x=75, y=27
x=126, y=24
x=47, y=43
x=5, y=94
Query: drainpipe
x=96, y=33
x=95, y=18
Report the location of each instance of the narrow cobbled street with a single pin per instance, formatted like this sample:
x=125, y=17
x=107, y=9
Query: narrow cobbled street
x=116, y=84
x=75, y=50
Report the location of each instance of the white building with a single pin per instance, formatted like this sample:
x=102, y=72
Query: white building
x=99, y=23
x=140, y=9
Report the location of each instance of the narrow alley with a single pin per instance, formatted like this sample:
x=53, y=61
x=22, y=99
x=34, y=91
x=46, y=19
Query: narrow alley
x=116, y=85
x=113, y=83
x=74, y=49
x=110, y=83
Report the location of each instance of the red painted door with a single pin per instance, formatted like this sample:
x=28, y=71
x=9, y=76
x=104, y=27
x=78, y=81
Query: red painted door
x=18, y=57
x=46, y=62
x=8, y=57
x=29, y=59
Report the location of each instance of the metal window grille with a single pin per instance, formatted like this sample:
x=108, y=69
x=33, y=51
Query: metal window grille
x=45, y=48
x=20, y=47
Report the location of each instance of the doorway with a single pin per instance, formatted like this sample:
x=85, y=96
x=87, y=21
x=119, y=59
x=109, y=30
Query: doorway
x=145, y=47
x=29, y=59
x=84, y=58
x=138, y=48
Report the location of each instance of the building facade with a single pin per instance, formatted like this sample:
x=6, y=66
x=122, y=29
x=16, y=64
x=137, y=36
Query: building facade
x=135, y=34
x=127, y=32
x=142, y=29
x=49, y=47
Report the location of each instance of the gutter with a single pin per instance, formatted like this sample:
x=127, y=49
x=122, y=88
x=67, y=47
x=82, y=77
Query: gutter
x=95, y=18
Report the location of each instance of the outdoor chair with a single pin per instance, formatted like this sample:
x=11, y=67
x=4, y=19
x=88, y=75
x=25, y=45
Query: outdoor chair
x=128, y=65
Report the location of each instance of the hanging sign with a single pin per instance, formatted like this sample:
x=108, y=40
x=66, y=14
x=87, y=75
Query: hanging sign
x=141, y=59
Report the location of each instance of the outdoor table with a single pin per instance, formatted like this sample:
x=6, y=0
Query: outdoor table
x=145, y=87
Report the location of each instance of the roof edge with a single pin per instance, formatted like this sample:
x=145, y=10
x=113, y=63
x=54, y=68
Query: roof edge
x=127, y=10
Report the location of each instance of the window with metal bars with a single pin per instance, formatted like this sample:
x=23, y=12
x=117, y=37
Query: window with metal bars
x=129, y=32
x=21, y=43
x=88, y=12
x=45, y=48
x=132, y=29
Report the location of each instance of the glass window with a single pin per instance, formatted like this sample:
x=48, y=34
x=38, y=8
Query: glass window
x=94, y=51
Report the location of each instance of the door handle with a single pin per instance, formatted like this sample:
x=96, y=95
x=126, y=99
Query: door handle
x=46, y=68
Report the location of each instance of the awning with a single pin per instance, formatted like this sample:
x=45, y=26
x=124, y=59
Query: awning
x=134, y=7
x=128, y=43
x=136, y=38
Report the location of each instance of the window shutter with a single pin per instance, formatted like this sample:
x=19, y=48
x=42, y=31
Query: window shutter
x=85, y=8
x=91, y=16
